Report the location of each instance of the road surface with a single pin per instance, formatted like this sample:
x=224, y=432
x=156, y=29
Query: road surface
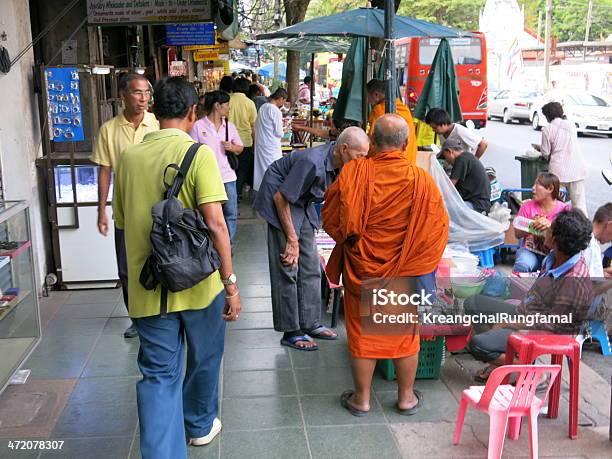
x=509, y=140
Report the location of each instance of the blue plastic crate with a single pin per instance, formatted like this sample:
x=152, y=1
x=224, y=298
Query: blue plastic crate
x=486, y=257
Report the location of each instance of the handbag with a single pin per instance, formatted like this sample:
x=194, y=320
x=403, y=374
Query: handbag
x=232, y=158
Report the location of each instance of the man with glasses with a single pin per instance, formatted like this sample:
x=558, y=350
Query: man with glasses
x=127, y=128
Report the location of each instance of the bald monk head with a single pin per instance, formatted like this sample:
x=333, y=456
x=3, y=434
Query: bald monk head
x=352, y=143
x=390, y=133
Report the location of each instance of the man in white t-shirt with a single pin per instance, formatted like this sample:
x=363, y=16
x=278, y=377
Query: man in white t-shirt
x=440, y=122
x=268, y=133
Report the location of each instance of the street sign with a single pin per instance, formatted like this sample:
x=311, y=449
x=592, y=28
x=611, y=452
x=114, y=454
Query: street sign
x=105, y=12
x=190, y=34
x=69, y=52
x=222, y=48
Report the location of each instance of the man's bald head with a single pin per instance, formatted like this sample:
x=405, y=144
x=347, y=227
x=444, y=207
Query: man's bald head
x=352, y=143
x=390, y=133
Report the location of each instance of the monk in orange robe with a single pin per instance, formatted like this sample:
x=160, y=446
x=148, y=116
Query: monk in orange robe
x=376, y=98
x=388, y=219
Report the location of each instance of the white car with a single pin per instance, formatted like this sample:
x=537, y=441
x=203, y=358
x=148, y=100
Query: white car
x=590, y=114
x=512, y=105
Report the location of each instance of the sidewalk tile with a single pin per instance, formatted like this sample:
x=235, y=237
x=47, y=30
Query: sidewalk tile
x=105, y=390
x=351, y=442
x=253, y=339
x=86, y=311
x=256, y=359
x=261, y=413
x=244, y=384
x=96, y=420
x=109, y=295
x=325, y=410
x=271, y=444
x=252, y=321
x=111, y=364
x=323, y=381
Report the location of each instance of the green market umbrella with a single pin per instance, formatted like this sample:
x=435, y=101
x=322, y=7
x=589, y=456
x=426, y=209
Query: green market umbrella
x=441, y=87
x=350, y=103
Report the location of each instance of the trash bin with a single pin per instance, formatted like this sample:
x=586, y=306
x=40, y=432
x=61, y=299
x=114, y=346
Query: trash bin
x=530, y=168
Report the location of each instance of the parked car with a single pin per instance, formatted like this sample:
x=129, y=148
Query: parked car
x=512, y=105
x=590, y=114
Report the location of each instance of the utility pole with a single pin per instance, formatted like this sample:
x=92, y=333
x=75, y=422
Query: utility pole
x=277, y=24
x=588, y=29
x=547, y=43
x=391, y=92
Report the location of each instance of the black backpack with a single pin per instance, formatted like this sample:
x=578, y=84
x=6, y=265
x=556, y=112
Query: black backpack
x=182, y=252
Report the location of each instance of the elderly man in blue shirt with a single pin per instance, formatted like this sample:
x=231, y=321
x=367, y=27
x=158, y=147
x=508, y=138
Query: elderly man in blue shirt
x=285, y=199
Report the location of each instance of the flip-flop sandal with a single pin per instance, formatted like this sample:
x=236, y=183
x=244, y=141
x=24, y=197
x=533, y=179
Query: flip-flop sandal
x=415, y=408
x=344, y=398
x=317, y=332
x=483, y=374
x=292, y=342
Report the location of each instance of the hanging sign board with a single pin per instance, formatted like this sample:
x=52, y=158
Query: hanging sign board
x=64, y=104
x=208, y=55
x=202, y=46
x=114, y=12
x=222, y=49
x=190, y=34
x=177, y=68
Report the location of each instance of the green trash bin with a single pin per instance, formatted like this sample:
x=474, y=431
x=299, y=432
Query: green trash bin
x=530, y=168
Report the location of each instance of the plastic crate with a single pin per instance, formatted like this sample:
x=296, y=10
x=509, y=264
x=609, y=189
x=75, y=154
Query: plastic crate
x=431, y=359
x=486, y=257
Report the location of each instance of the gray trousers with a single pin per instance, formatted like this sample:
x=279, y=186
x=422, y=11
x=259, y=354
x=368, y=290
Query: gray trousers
x=122, y=263
x=296, y=291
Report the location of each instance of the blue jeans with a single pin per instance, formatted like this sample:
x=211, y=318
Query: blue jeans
x=526, y=261
x=230, y=209
x=168, y=404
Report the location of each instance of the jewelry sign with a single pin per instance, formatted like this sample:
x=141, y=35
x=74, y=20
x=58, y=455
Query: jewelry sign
x=64, y=104
x=112, y=12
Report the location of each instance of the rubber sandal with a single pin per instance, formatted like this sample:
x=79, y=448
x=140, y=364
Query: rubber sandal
x=317, y=332
x=415, y=408
x=345, y=404
x=483, y=374
x=292, y=342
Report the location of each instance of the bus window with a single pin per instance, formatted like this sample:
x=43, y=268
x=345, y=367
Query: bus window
x=465, y=50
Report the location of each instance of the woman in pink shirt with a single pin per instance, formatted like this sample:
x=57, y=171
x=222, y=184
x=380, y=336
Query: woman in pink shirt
x=220, y=135
x=543, y=209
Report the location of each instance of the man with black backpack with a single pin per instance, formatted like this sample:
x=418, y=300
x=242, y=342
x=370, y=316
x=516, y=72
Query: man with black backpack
x=168, y=196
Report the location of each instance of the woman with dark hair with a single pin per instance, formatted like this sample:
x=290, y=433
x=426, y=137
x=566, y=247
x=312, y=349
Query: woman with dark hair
x=226, y=84
x=256, y=96
x=221, y=136
x=542, y=209
x=560, y=147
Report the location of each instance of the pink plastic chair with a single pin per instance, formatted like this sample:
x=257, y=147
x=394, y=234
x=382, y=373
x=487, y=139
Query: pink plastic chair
x=502, y=402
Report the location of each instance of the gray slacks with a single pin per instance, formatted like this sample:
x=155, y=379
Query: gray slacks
x=296, y=291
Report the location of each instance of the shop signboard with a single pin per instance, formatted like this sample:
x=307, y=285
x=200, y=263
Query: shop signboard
x=114, y=12
x=207, y=55
x=177, y=68
x=64, y=104
x=190, y=34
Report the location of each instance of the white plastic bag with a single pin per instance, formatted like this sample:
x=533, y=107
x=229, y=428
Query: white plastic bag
x=467, y=226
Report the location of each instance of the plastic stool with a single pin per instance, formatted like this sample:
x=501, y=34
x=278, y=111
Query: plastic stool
x=486, y=257
x=600, y=333
x=528, y=347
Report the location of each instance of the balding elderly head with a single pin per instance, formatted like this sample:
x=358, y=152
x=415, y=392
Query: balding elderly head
x=352, y=143
x=390, y=133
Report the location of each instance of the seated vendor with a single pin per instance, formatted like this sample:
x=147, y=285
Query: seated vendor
x=602, y=230
x=562, y=288
x=468, y=176
x=542, y=209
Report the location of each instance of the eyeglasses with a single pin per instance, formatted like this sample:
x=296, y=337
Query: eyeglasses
x=139, y=93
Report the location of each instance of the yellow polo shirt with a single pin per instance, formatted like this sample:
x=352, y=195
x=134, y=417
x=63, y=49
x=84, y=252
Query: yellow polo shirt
x=243, y=114
x=116, y=135
x=138, y=187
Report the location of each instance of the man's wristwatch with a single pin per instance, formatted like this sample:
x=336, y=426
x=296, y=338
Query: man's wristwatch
x=231, y=280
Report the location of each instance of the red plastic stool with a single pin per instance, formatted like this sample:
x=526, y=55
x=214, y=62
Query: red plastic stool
x=529, y=346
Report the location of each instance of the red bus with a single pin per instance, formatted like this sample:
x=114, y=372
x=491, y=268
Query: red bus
x=413, y=60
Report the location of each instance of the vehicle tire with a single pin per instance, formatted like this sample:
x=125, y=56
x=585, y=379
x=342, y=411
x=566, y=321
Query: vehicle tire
x=506, y=118
x=580, y=134
x=535, y=122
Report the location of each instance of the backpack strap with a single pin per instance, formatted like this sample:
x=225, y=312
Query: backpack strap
x=183, y=170
x=174, y=191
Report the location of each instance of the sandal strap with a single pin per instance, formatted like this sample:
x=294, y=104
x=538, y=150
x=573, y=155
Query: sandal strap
x=297, y=338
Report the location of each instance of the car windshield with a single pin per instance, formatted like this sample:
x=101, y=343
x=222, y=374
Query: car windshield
x=587, y=100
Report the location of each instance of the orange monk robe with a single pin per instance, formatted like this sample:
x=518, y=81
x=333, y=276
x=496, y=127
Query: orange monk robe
x=388, y=220
x=379, y=110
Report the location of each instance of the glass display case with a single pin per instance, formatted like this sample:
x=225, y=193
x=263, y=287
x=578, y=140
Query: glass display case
x=19, y=314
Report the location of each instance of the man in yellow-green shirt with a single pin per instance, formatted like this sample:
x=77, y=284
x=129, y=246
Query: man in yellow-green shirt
x=243, y=114
x=168, y=405
x=124, y=130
